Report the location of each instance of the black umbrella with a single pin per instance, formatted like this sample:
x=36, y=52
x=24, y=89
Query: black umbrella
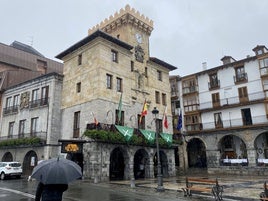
x=57, y=171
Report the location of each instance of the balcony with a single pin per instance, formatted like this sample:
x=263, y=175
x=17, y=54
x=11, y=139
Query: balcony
x=215, y=84
x=38, y=103
x=25, y=139
x=11, y=110
x=191, y=89
x=235, y=123
x=232, y=102
x=240, y=78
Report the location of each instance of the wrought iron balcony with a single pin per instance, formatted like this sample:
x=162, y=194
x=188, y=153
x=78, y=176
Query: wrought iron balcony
x=242, y=77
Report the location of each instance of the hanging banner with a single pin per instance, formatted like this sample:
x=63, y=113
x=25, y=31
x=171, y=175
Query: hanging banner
x=149, y=135
x=167, y=137
x=125, y=131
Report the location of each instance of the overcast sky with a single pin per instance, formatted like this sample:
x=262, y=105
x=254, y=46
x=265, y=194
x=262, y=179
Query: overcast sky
x=186, y=32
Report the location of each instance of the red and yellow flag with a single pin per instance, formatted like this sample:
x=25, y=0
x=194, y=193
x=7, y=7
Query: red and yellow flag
x=144, y=110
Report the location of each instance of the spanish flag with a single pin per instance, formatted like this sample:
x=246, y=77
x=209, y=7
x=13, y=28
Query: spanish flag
x=165, y=121
x=144, y=110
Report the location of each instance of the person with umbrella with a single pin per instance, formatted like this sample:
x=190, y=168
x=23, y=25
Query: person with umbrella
x=54, y=175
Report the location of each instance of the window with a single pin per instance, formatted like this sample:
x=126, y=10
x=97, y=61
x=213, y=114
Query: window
x=34, y=126
x=16, y=100
x=114, y=56
x=121, y=121
x=146, y=72
x=215, y=99
x=76, y=126
x=44, y=95
x=246, y=116
x=213, y=81
x=78, y=87
x=132, y=66
x=243, y=94
x=264, y=63
x=192, y=123
x=218, y=120
x=34, y=102
x=159, y=75
x=11, y=128
x=191, y=103
x=189, y=86
x=22, y=128
x=79, y=59
x=264, y=66
x=119, y=84
x=109, y=79
x=157, y=97
x=240, y=74
x=8, y=102
x=164, y=99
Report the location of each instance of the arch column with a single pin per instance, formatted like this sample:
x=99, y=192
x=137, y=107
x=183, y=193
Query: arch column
x=251, y=152
x=213, y=158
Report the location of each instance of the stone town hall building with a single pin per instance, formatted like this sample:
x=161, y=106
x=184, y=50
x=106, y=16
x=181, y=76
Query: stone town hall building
x=114, y=61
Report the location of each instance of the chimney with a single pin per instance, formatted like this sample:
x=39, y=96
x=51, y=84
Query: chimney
x=204, y=65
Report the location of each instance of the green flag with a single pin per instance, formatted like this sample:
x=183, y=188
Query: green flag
x=167, y=137
x=125, y=131
x=149, y=135
x=119, y=109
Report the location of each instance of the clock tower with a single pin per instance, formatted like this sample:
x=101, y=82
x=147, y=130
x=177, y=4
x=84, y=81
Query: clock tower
x=131, y=27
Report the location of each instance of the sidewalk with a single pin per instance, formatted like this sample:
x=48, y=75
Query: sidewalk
x=235, y=187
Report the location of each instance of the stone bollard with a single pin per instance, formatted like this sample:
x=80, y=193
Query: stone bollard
x=96, y=179
x=132, y=183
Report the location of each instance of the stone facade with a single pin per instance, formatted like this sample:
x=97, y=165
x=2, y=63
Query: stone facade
x=115, y=51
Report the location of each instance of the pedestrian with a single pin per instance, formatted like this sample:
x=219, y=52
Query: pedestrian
x=50, y=192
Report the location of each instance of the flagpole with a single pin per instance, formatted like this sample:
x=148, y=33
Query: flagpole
x=160, y=187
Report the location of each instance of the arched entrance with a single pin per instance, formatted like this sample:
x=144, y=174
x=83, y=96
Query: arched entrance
x=232, y=147
x=7, y=157
x=141, y=164
x=163, y=162
x=29, y=162
x=261, y=146
x=196, y=154
x=117, y=164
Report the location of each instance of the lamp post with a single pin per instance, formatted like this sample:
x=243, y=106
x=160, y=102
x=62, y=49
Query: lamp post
x=159, y=175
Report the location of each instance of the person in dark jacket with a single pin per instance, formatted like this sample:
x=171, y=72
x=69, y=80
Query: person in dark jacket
x=50, y=192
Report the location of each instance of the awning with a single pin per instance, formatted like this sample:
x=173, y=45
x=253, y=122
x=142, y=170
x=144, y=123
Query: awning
x=127, y=132
x=167, y=137
x=149, y=135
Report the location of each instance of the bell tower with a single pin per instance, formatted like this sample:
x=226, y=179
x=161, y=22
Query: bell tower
x=131, y=27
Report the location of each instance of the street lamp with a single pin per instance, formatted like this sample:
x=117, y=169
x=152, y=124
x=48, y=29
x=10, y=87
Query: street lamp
x=159, y=175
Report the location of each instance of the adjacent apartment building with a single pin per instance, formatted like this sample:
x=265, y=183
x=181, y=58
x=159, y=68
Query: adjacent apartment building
x=30, y=105
x=225, y=115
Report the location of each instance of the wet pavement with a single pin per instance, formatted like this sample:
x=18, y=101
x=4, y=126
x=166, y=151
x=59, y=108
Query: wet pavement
x=235, y=187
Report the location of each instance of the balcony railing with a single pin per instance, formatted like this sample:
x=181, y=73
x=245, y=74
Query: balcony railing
x=11, y=110
x=242, y=77
x=190, y=89
x=38, y=103
x=41, y=135
x=259, y=96
x=229, y=123
x=215, y=84
x=32, y=104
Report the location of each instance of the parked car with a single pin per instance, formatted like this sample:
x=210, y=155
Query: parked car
x=10, y=169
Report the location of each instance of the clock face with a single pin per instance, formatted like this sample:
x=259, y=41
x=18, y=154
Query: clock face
x=138, y=38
